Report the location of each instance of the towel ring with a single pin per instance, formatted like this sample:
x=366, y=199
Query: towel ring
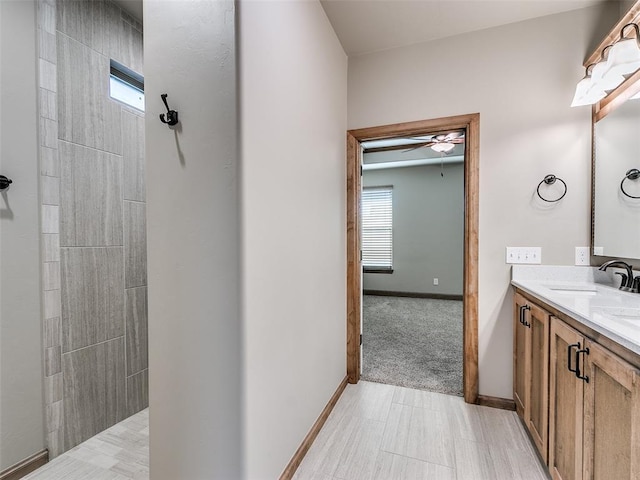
x=632, y=174
x=550, y=180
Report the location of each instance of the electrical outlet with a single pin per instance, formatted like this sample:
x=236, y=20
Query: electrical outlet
x=436, y=281
x=531, y=255
x=582, y=256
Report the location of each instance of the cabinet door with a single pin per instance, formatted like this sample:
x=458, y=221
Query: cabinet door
x=611, y=417
x=565, y=404
x=520, y=356
x=537, y=377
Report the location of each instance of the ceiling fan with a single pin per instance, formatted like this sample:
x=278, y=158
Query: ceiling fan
x=442, y=143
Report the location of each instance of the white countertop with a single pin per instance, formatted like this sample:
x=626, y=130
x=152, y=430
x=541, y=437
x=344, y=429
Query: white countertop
x=588, y=295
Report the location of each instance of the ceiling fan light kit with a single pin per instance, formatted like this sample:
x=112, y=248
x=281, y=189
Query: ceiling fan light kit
x=444, y=147
x=622, y=58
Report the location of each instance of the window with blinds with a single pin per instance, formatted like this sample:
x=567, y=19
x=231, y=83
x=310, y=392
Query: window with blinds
x=377, y=229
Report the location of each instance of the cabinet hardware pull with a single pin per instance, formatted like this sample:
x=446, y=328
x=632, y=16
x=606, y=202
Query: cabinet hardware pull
x=521, y=317
x=578, y=374
x=524, y=321
x=569, y=347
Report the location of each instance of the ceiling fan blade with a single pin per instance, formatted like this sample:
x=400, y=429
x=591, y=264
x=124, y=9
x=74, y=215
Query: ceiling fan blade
x=419, y=145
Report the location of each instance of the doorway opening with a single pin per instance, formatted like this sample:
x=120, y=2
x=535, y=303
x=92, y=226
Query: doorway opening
x=466, y=126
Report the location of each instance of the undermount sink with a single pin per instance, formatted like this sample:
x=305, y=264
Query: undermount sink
x=621, y=313
x=573, y=289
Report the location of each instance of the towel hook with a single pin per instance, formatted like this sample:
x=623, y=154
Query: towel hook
x=172, y=115
x=5, y=182
x=550, y=180
x=632, y=174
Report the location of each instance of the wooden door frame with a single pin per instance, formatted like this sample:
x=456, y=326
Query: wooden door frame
x=471, y=123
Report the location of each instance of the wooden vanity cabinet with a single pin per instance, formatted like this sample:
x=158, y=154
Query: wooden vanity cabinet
x=594, y=410
x=531, y=369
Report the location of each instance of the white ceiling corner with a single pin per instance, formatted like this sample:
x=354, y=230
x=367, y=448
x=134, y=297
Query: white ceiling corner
x=365, y=26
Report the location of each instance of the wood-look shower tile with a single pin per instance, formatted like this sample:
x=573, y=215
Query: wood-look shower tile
x=52, y=361
x=419, y=433
x=50, y=247
x=396, y=467
x=133, y=156
x=86, y=114
x=131, y=47
x=50, y=219
x=135, y=244
x=137, y=392
x=93, y=296
x=48, y=102
x=50, y=190
x=46, y=17
x=49, y=164
x=91, y=200
x=52, y=306
x=48, y=133
x=51, y=275
x=47, y=73
x=94, y=390
x=136, y=329
x=82, y=21
x=52, y=332
x=53, y=388
x=54, y=416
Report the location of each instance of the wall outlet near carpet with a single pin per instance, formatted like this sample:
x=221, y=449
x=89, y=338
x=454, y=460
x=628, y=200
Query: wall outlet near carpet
x=436, y=281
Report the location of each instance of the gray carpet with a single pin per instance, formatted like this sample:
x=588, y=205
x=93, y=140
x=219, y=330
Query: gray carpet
x=413, y=342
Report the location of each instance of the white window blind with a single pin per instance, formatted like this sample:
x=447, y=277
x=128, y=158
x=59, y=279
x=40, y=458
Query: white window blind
x=377, y=228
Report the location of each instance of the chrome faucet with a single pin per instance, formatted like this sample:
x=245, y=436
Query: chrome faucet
x=627, y=283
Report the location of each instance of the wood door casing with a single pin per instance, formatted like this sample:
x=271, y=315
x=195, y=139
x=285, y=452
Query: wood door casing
x=611, y=417
x=537, y=411
x=565, y=406
x=471, y=124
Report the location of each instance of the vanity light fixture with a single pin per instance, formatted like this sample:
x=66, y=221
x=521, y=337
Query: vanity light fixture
x=623, y=58
x=443, y=147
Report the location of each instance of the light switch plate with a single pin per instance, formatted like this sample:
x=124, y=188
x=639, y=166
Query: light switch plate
x=526, y=255
x=583, y=256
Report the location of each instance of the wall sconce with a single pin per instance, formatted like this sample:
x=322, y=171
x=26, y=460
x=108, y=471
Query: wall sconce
x=623, y=59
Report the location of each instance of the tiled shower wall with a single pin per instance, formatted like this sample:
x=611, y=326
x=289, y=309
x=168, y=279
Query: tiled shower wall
x=93, y=222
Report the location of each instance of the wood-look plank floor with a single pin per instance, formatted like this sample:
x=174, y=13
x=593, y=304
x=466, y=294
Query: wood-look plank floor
x=118, y=453
x=375, y=432
x=383, y=432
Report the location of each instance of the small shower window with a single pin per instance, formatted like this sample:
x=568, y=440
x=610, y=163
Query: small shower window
x=126, y=86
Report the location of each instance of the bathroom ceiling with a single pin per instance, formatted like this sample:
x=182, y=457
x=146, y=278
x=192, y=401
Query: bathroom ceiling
x=365, y=26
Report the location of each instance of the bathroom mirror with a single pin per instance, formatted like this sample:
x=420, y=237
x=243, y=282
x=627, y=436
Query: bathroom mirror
x=616, y=192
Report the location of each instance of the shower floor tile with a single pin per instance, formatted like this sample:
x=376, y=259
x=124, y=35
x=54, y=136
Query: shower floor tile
x=119, y=453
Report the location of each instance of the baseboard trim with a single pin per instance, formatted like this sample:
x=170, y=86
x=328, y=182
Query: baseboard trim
x=496, y=402
x=313, y=433
x=26, y=466
x=438, y=296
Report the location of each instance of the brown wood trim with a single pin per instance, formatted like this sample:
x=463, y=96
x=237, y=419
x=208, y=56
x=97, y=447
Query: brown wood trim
x=497, y=402
x=632, y=16
x=354, y=264
x=304, y=447
x=470, y=286
x=621, y=94
x=470, y=123
x=611, y=345
x=26, y=466
x=438, y=296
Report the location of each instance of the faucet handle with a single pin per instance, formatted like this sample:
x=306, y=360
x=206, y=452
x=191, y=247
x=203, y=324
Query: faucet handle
x=625, y=279
x=636, y=285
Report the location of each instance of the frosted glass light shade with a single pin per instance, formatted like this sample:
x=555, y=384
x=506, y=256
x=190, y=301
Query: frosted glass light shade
x=623, y=59
x=443, y=147
x=603, y=78
x=587, y=93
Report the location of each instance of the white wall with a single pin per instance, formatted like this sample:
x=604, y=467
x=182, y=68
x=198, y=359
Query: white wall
x=21, y=403
x=521, y=79
x=293, y=96
x=428, y=229
x=195, y=350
